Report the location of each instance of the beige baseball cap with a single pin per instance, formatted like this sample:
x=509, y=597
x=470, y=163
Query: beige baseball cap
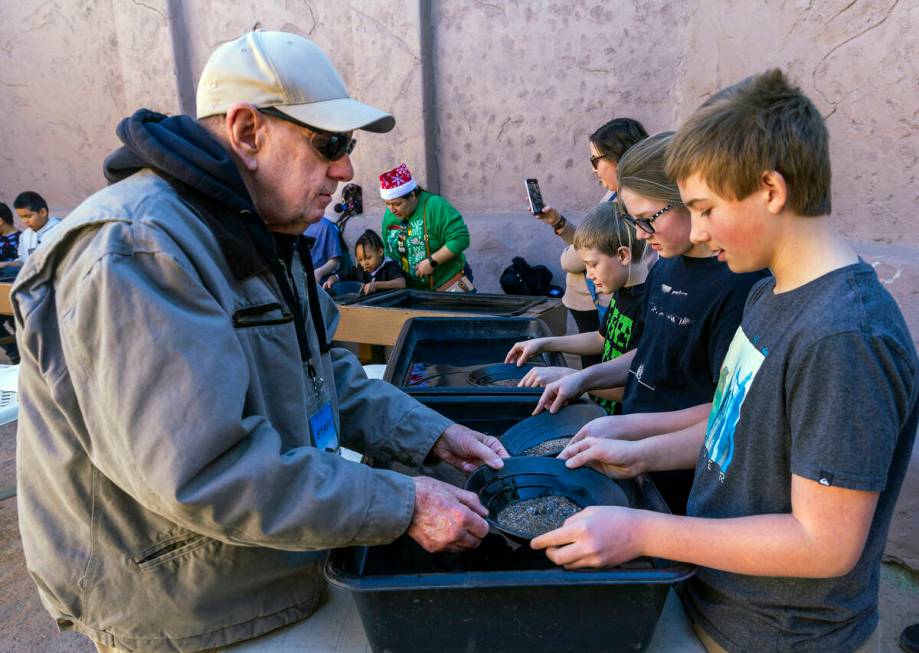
x=289, y=73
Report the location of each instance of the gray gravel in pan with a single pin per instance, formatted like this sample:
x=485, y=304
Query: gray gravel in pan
x=505, y=383
x=551, y=447
x=537, y=516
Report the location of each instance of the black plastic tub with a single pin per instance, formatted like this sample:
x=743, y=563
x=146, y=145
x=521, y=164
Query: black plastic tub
x=502, y=597
x=455, y=302
x=450, y=355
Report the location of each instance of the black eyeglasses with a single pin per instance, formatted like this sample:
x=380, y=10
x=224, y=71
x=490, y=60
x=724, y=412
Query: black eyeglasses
x=331, y=145
x=595, y=160
x=645, y=224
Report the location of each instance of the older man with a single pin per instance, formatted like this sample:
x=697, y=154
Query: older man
x=181, y=406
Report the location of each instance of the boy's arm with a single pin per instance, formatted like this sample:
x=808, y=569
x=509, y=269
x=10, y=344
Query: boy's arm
x=581, y=343
x=639, y=426
x=589, y=343
x=627, y=458
x=613, y=394
x=611, y=374
x=823, y=537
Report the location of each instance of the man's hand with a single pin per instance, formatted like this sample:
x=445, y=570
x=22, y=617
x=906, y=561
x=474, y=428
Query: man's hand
x=424, y=269
x=615, y=458
x=446, y=518
x=599, y=536
x=558, y=393
x=467, y=450
x=521, y=352
x=542, y=376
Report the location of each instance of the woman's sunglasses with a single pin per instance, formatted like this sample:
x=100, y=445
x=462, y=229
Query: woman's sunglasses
x=645, y=224
x=331, y=145
x=595, y=160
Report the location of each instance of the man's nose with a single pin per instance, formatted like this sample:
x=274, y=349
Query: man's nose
x=342, y=169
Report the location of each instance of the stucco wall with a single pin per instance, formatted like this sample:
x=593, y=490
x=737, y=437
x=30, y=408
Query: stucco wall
x=512, y=90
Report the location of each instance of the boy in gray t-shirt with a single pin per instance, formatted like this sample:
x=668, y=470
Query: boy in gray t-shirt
x=799, y=465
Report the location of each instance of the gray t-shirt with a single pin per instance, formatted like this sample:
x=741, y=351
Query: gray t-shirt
x=820, y=382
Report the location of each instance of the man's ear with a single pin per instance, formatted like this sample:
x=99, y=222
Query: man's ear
x=624, y=254
x=43, y=213
x=775, y=190
x=245, y=129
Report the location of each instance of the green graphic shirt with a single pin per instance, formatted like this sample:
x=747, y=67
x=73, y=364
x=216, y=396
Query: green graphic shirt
x=622, y=329
x=404, y=240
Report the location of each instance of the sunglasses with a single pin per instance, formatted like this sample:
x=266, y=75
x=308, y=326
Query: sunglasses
x=595, y=160
x=645, y=224
x=331, y=145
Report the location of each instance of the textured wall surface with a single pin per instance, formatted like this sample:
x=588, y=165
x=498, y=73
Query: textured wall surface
x=512, y=89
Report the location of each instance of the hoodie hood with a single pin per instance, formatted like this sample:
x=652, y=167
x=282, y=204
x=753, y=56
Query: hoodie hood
x=180, y=148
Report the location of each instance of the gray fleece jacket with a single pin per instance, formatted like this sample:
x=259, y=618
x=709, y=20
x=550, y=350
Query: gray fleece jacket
x=170, y=494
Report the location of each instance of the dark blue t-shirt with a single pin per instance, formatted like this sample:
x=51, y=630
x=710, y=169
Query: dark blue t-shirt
x=692, y=309
x=820, y=382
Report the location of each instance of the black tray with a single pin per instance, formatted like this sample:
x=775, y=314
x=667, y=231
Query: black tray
x=501, y=597
x=454, y=302
x=460, y=354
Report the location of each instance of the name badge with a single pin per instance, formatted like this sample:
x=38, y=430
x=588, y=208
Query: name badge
x=322, y=428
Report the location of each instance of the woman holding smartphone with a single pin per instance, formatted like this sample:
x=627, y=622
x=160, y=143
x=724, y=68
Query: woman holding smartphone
x=606, y=145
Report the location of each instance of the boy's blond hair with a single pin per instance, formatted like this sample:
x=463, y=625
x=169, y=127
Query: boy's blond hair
x=604, y=230
x=760, y=124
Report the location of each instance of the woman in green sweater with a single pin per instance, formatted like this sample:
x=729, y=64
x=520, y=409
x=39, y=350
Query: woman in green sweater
x=424, y=234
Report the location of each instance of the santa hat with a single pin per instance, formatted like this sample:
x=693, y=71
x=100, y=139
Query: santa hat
x=396, y=183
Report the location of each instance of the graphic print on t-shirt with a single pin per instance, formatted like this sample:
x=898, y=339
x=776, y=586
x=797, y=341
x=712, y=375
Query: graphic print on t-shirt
x=740, y=366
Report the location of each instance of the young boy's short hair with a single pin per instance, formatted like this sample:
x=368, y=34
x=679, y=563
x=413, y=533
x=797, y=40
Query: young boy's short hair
x=761, y=123
x=604, y=230
x=31, y=201
x=5, y=214
x=369, y=240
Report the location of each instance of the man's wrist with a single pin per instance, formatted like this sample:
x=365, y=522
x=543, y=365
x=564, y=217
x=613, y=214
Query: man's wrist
x=560, y=225
x=433, y=262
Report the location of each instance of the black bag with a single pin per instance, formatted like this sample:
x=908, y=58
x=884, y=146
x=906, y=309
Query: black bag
x=520, y=278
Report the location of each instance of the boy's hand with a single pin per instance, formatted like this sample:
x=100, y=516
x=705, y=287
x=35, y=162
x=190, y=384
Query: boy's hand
x=615, y=458
x=599, y=536
x=542, y=376
x=610, y=427
x=558, y=393
x=330, y=281
x=521, y=352
x=369, y=288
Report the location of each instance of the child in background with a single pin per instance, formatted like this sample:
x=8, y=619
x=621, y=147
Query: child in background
x=376, y=272
x=33, y=211
x=794, y=489
x=616, y=262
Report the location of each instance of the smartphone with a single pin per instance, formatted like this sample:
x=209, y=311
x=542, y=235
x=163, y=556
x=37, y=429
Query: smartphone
x=535, y=197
